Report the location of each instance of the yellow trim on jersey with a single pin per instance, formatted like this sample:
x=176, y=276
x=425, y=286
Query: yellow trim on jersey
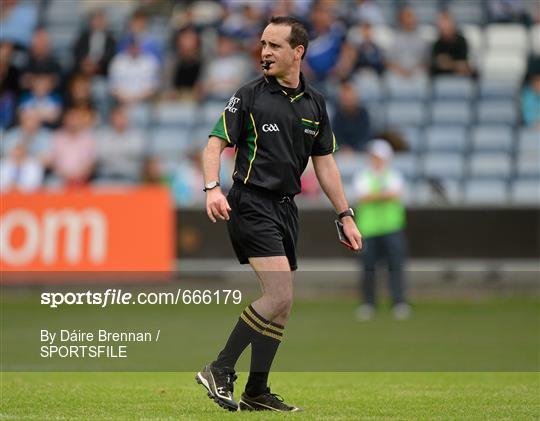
x=297, y=97
x=312, y=122
x=254, y=151
x=333, y=142
x=225, y=126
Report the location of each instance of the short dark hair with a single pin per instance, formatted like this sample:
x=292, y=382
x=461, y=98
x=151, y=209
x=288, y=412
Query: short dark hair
x=298, y=35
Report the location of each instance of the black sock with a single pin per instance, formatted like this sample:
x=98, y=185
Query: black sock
x=241, y=336
x=263, y=349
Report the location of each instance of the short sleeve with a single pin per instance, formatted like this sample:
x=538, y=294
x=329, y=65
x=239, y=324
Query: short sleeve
x=325, y=140
x=230, y=124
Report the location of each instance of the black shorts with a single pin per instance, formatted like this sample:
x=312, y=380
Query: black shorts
x=262, y=224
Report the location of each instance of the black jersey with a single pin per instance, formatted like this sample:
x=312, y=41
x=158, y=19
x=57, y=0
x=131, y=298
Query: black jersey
x=275, y=133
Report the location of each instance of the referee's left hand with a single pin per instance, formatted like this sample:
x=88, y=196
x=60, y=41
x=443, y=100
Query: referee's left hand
x=217, y=206
x=351, y=232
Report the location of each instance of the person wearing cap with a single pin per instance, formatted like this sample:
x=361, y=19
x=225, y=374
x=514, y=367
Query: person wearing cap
x=380, y=216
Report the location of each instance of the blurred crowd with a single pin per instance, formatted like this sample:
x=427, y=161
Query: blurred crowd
x=84, y=114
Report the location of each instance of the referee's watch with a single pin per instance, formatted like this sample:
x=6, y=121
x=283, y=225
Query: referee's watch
x=348, y=212
x=211, y=185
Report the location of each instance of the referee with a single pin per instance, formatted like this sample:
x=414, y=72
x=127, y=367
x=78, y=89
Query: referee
x=275, y=123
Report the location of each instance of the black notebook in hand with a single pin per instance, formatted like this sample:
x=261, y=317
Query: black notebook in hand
x=341, y=235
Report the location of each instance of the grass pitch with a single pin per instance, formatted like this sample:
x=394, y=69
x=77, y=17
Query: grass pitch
x=324, y=396
x=454, y=360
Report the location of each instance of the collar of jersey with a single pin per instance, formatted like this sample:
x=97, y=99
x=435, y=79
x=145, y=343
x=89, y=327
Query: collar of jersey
x=274, y=86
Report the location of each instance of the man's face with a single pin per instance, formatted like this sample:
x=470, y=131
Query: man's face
x=277, y=50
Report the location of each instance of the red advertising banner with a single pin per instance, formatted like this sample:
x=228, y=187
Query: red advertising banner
x=128, y=230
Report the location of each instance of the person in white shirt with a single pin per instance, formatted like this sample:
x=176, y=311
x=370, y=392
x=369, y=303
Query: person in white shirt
x=134, y=75
x=19, y=171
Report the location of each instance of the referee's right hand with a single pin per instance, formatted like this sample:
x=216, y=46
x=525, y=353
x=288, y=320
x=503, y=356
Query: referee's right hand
x=217, y=206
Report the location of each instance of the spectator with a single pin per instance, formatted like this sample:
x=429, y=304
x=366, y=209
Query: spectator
x=120, y=149
x=508, y=11
x=381, y=218
x=152, y=172
x=9, y=86
x=134, y=75
x=407, y=55
x=229, y=69
x=73, y=154
x=530, y=102
x=79, y=92
x=41, y=60
x=42, y=99
x=450, y=52
x=19, y=171
x=184, y=65
x=368, y=55
x=18, y=22
x=29, y=132
x=95, y=47
x=366, y=11
x=324, y=55
x=186, y=183
x=351, y=122
x=138, y=29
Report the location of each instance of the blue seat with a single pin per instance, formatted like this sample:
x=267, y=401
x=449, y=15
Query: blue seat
x=451, y=112
x=498, y=112
x=446, y=138
x=444, y=165
x=410, y=113
x=525, y=191
x=492, y=138
x=485, y=192
x=453, y=87
x=494, y=165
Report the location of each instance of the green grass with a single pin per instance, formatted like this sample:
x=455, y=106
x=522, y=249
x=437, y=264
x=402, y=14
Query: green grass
x=324, y=396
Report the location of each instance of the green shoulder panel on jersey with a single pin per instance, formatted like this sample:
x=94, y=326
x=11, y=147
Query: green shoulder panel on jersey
x=220, y=129
x=251, y=140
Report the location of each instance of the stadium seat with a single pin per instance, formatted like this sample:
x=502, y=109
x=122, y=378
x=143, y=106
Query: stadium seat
x=349, y=165
x=485, y=192
x=446, y=138
x=534, y=37
x=501, y=37
x=453, y=87
x=494, y=165
x=525, y=192
x=467, y=11
x=475, y=40
x=437, y=191
x=169, y=142
x=529, y=140
x=504, y=65
x=414, y=137
x=140, y=115
x=498, y=112
x=178, y=114
x=426, y=12
x=407, y=164
x=451, y=112
x=410, y=113
x=492, y=88
x=444, y=165
x=492, y=138
x=368, y=85
x=398, y=87
x=528, y=164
